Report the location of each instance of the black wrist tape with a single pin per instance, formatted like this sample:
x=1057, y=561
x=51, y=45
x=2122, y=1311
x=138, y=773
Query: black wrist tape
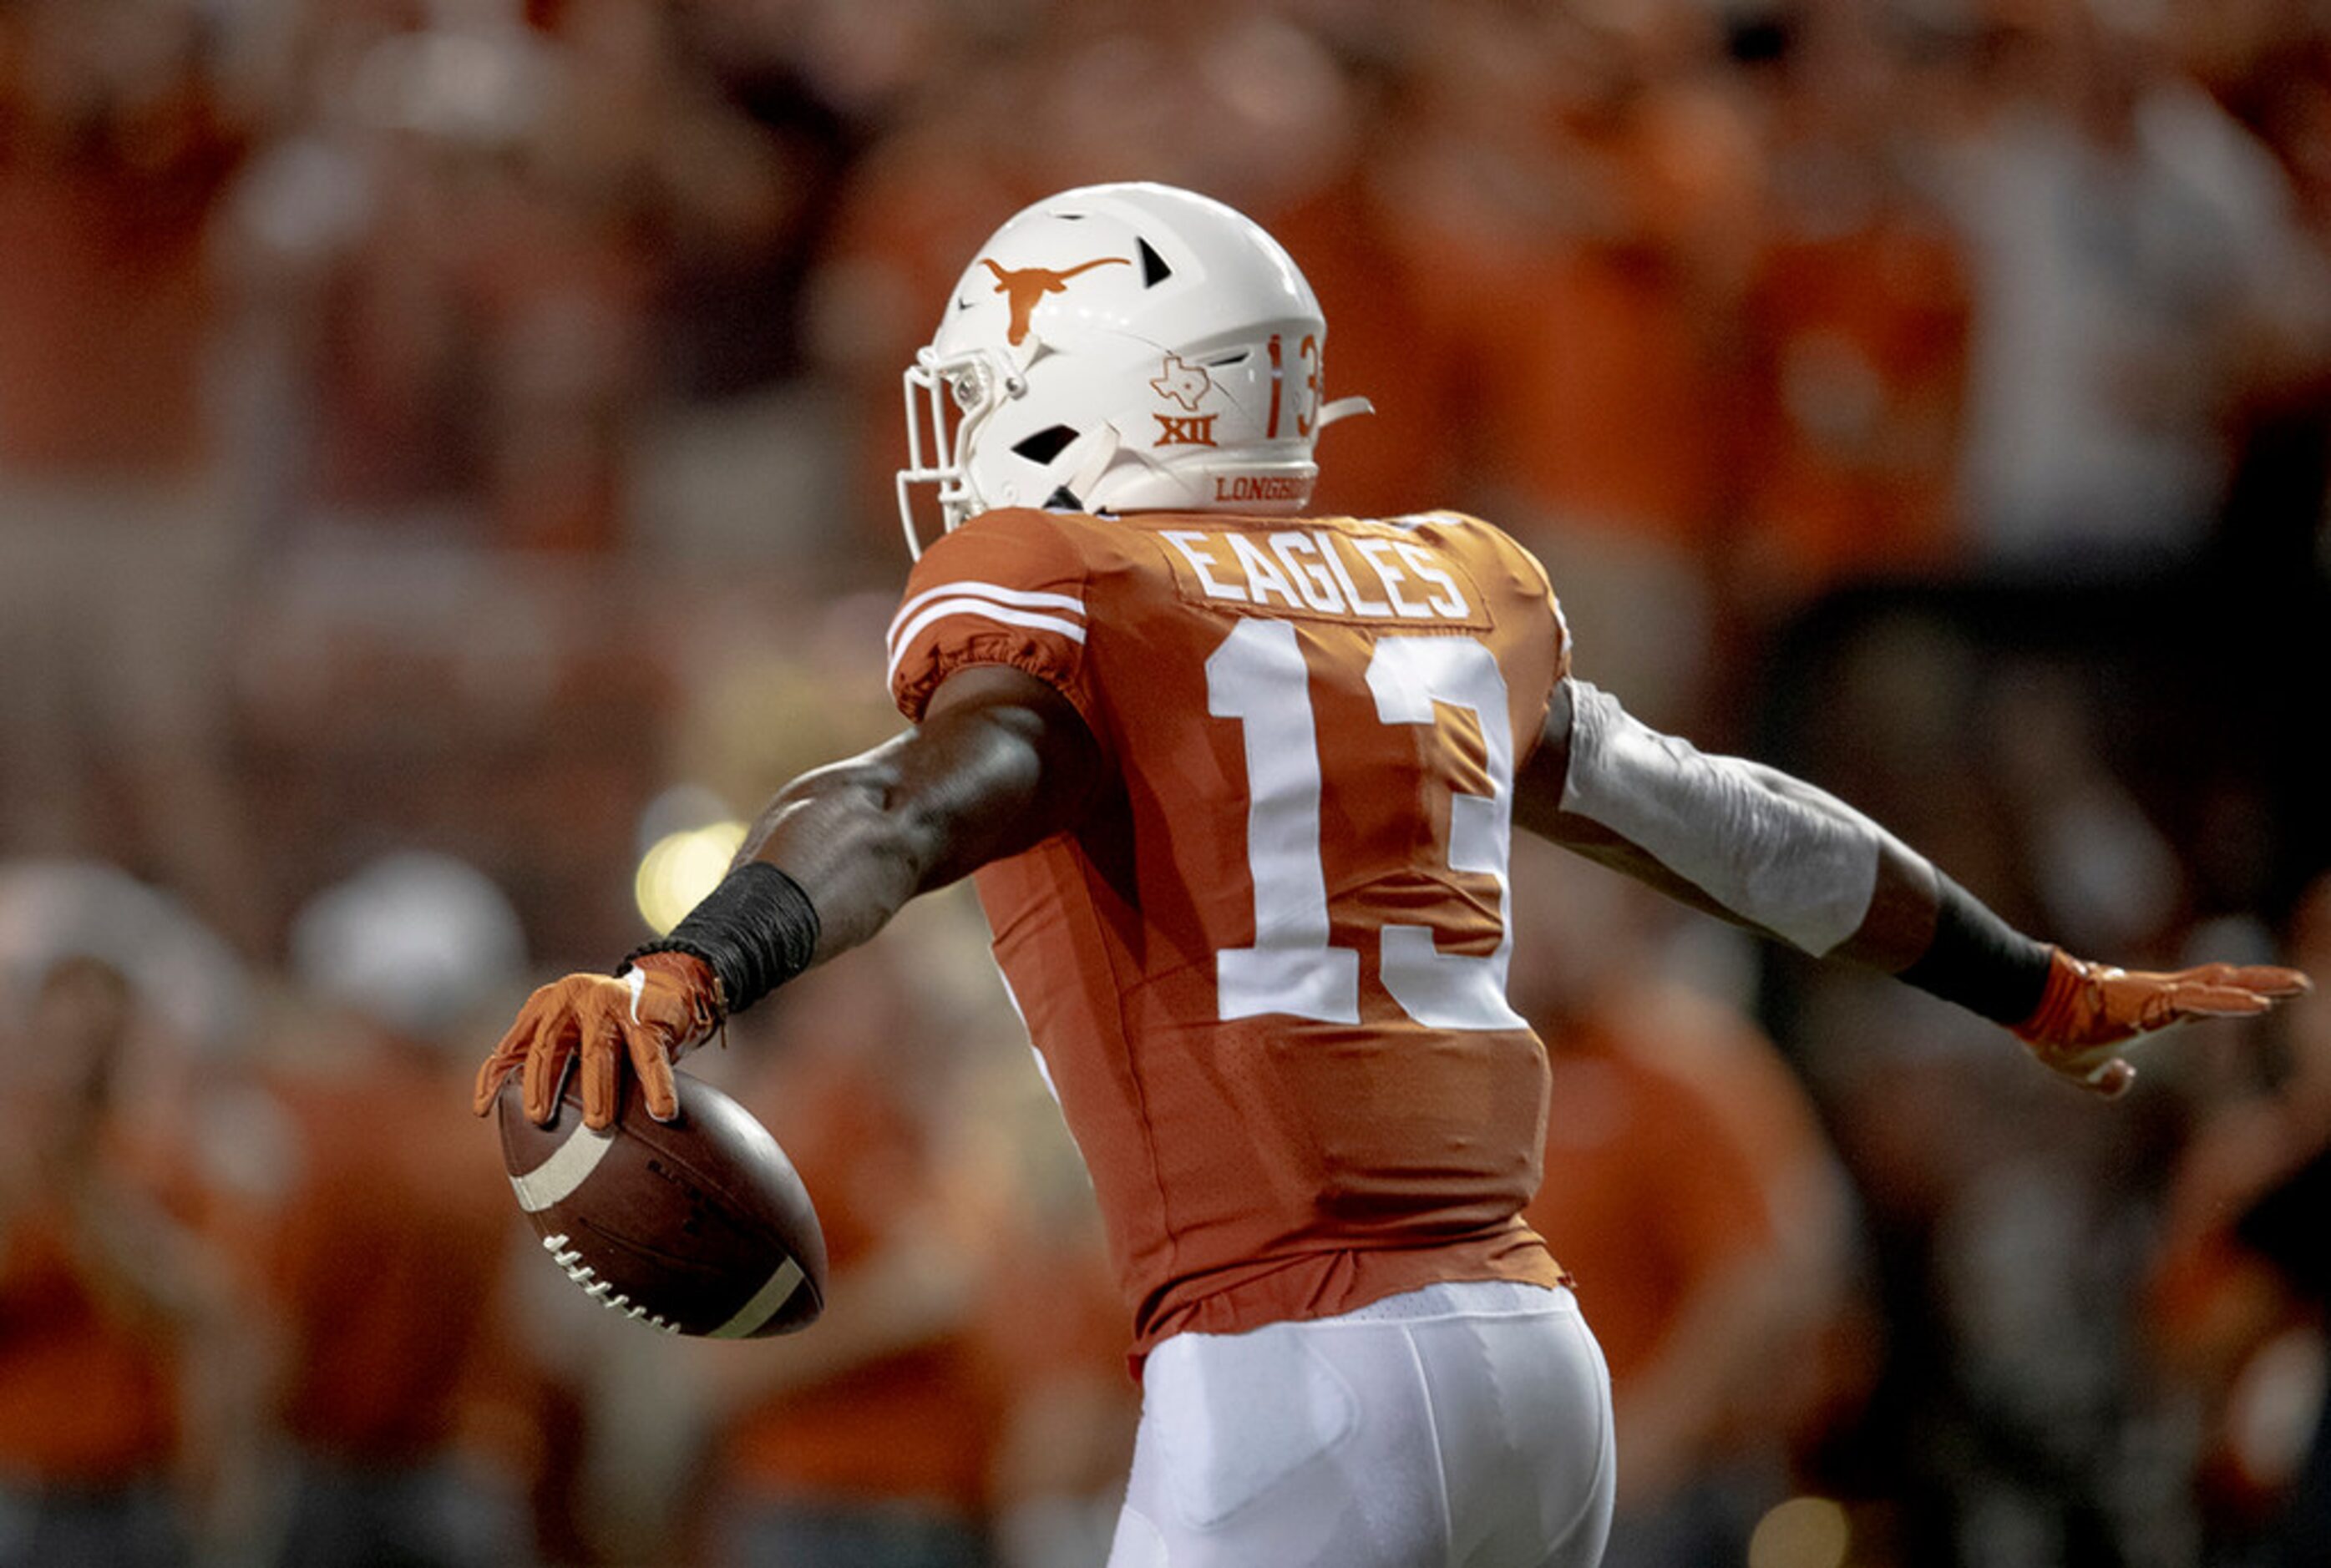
x=758, y=929
x=1980, y=960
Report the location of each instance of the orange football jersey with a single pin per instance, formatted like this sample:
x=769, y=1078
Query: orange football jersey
x=1267, y=974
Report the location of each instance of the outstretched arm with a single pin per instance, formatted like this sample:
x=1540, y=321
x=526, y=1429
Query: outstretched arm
x=999, y=762
x=1769, y=852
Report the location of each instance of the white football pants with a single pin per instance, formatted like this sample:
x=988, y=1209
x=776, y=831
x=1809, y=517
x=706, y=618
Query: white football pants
x=1460, y=1426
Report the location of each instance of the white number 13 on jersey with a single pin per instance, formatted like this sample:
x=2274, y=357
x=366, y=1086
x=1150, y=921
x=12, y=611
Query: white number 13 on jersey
x=1258, y=676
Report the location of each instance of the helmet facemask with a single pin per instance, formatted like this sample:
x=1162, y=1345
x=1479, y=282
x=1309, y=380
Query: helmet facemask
x=947, y=398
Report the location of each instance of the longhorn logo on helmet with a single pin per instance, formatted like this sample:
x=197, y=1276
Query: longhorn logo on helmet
x=1022, y=287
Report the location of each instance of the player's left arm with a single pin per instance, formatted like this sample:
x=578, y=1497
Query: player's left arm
x=1000, y=762
x=1764, y=850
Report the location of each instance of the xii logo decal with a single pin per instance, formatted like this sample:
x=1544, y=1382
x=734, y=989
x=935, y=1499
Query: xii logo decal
x=1185, y=430
x=1186, y=385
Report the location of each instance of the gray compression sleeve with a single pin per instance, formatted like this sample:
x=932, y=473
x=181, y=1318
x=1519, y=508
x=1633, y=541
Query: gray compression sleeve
x=1772, y=850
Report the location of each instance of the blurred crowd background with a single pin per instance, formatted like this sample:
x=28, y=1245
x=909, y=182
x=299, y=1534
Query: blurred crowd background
x=444, y=484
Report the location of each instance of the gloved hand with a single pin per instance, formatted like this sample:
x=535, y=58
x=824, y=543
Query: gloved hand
x=2088, y=1009
x=663, y=1006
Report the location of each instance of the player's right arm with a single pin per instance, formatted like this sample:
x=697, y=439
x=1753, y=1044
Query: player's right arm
x=1000, y=762
x=1764, y=850
x=986, y=659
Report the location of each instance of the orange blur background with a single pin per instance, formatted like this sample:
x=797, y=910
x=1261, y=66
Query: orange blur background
x=444, y=455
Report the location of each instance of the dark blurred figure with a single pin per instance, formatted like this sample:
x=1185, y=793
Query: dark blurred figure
x=1051, y=1320
x=2130, y=245
x=122, y=557
x=2008, y=1425
x=1855, y=320
x=2269, y=65
x=2237, y=1300
x=388, y=1256
x=868, y=1441
x=102, y=1299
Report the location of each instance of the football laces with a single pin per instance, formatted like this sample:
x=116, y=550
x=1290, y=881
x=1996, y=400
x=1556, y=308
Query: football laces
x=602, y=1292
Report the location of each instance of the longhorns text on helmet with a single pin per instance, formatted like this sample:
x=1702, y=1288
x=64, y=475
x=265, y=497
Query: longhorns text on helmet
x=1121, y=347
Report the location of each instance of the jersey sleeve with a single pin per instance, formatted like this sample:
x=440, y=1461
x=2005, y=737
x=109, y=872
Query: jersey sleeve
x=1512, y=573
x=1522, y=598
x=1531, y=576
x=1008, y=588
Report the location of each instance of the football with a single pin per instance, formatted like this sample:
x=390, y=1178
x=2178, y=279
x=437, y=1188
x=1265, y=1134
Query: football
x=695, y=1226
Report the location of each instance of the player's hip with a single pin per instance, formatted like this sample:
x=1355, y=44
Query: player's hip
x=1243, y=1281
x=1466, y=1423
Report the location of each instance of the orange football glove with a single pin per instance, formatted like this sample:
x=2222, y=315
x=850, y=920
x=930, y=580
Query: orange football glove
x=663, y=1006
x=2088, y=1009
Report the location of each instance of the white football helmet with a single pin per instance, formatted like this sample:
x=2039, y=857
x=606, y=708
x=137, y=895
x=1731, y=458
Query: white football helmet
x=1121, y=347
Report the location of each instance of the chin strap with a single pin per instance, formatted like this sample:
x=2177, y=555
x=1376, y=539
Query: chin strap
x=1343, y=408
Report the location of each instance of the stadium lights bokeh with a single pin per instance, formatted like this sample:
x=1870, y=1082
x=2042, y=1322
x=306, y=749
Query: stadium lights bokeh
x=680, y=868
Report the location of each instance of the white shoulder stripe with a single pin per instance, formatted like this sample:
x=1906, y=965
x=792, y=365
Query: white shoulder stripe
x=946, y=607
x=1027, y=597
x=766, y=1303
x=569, y=1165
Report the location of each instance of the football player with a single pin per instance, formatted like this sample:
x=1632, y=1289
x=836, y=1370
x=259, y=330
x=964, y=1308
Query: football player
x=1237, y=785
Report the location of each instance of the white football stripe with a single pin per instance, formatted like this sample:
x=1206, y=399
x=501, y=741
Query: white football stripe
x=1026, y=598
x=569, y=1164
x=766, y=1303
x=946, y=607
